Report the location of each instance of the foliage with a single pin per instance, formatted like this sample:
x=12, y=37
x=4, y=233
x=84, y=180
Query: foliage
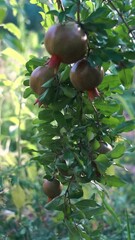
x=70, y=127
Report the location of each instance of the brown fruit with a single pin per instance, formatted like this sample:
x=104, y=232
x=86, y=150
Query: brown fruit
x=67, y=41
x=84, y=77
x=40, y=76
x=52, y=188
x=104, y=148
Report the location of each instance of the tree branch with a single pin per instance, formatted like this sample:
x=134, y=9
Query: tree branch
x=78, y=11
x=121, y=16
x=60, y=5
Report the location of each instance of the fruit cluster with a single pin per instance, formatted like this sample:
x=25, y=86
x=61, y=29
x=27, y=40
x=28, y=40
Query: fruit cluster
x=67, y=43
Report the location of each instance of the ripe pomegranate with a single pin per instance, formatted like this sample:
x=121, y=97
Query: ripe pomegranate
x=40, y=76
x=66, y=43
x=104, y=148
x=84, y=77
x=52, y=188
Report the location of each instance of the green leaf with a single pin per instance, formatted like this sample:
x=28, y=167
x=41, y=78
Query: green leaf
x=65, y=74
x=3, y=11
x=26, y=82
x=68, y=156
x=75, y=190
x=34, y=62
x=100, y=12
x=69, y=92
x=53, y=12
x=86, y=203
x=46, y=115
x=28, y=91
x=107, y=108
x=102, y=163
x=73, y=230
x=126, y=77
x=125, y=127
x=112, y=121
x=87, y=213
x=118, y=151
x=49, y=83
x=110, y=209
x=14, y=54
x=110, y=81
x=56, y=204
x=113, y=181
x=13, y=29
x=59, y=117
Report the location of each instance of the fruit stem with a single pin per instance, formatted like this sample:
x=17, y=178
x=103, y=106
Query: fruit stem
x=78, y=11
x=38, y=102
x=93, y=93
x=54, y=62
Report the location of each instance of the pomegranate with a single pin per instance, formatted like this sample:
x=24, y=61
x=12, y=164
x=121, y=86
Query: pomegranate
x=40, y=76
x=84, y=77
x=104, y=148
x=66, y=43
x=52, y=188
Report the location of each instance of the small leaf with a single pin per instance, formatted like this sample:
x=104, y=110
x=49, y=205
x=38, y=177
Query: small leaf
x=69, y=92
x=13, y=29
x=28, y=91
x=14, y=54
x=125, y=127
x=75, y=190
x=18, y=196
x=56, y=204
x=113, y=181
x=86, y=203
x=118, y=151
x=2, y=14
x=126, y=77
x=110, y=209
x=102, y=163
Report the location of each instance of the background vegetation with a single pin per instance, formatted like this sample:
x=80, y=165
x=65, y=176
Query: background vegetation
x=22, y=201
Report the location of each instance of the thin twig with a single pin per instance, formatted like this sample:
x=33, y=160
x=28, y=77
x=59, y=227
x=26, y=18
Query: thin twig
x=60, y=5
x=121, y=16
x=78, y=11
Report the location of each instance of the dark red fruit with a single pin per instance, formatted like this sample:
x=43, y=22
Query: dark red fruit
x=67, y=42
x=104, y=148
x=52, y=188
x=40, y=76
x=84, y=77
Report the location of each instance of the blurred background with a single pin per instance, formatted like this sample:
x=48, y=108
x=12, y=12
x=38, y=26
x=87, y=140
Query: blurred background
x=22, y=212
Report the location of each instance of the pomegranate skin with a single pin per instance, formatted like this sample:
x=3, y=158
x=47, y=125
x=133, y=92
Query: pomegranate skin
x=84, y=77
x=40, y=76
x=67, y=41
x=52, y=188
x=104, y=148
